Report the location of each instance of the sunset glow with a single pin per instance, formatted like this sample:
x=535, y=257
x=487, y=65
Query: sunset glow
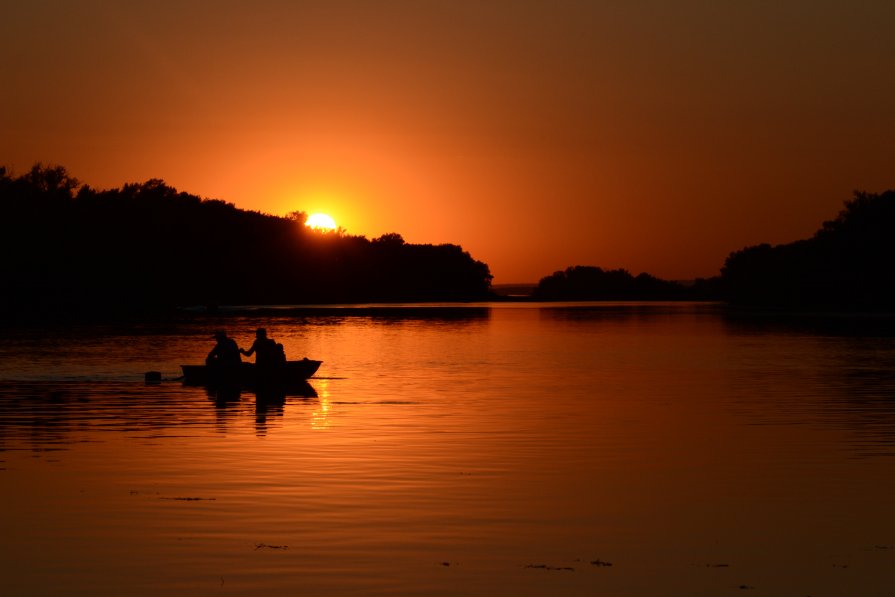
x=675, y=133
x=568, y=297
x=321, y=222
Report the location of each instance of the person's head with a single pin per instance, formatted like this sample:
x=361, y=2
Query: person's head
x=220, y=335
x=261, y=333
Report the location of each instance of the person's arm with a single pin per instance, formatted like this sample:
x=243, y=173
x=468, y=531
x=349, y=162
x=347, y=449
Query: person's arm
x=250, y=351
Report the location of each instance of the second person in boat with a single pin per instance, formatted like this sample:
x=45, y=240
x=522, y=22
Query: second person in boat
x=269, y=355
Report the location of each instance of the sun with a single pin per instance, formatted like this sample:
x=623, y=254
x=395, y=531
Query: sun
x=321, y=222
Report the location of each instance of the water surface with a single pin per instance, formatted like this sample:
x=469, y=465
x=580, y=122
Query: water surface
x=591, y=449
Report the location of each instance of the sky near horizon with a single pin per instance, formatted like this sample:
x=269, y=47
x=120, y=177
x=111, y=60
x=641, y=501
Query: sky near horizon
x=652, y=136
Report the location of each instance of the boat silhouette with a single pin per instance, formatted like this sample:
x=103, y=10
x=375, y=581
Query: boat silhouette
x=249, y=375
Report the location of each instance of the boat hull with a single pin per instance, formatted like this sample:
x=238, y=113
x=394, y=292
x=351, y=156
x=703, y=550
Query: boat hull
x=249, y=376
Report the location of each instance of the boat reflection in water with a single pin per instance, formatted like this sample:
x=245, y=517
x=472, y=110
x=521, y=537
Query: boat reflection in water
x=270, y=400
x=226, y=386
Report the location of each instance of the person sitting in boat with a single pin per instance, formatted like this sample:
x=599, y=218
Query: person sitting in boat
x=225, y=354
x=280, y=355
x=265, y=351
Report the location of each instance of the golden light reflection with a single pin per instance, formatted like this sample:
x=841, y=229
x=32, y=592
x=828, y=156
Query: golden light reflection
x=320, y=417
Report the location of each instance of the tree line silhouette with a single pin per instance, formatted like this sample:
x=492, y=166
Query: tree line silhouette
x=146, y=246
x=70, y=248
x=584, y=282
x=847, y=264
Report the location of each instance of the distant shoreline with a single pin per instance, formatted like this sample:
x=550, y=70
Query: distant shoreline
x=518, y=290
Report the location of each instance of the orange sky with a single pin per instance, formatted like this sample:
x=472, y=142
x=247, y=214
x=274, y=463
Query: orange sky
x=654, y=136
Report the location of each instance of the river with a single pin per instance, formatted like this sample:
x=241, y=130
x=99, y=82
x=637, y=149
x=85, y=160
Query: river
x=507, y=448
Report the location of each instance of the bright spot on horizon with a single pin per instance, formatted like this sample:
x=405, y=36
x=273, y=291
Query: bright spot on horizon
x=320, y=222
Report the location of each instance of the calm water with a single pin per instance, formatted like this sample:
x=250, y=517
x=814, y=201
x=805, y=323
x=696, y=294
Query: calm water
x=494, y=449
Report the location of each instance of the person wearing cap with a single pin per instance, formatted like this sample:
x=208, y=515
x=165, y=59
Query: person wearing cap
x=225, y=354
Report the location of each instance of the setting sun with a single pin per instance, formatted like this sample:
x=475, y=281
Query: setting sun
x=321, y=222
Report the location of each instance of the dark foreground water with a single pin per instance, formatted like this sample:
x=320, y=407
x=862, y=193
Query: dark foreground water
x=495, y=449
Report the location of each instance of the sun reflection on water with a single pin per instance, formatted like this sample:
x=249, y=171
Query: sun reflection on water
x=320, y=416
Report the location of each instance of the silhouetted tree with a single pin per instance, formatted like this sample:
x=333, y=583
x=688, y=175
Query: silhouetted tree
x=70, y=248
x=846, y=264
x=50, y=179
x=299, y=217
x=582, y=282
x=391, y=239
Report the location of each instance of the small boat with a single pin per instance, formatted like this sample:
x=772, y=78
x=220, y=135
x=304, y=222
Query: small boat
x=248, y=376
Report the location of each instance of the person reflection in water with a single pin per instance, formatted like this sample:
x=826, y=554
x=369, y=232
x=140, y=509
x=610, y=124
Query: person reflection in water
x=225, y=354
